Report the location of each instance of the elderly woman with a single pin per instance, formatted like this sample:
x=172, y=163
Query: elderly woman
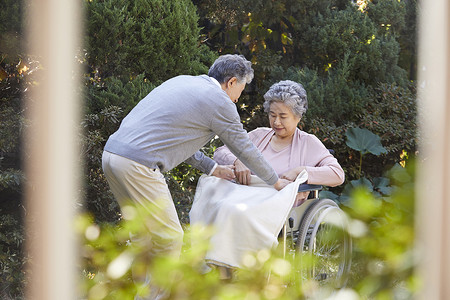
x=247, y=217
x=288, y=149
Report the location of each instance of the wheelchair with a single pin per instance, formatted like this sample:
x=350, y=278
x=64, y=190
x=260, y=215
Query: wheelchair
x=315, y=233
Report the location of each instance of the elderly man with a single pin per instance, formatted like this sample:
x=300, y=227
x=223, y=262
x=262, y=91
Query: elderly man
x=168, y=127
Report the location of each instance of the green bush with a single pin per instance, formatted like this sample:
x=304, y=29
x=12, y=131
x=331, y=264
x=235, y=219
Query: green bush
x=339, y=50
x=97, y=195
x=382, y=229
x=335, y=97
x=12, y=257
x=389, y=112
x=10, y=29
x=392, y=114
x=156, y=38
x=15, y=73
x=12, y=126
x=116, y=91
x=109, y=257
x=385, y=259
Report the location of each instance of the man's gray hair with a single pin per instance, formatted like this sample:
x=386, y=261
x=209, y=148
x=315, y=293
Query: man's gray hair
x=290, y=93
x=231, y=65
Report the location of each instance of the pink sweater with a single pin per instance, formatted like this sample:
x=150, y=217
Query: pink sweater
x=306, y=150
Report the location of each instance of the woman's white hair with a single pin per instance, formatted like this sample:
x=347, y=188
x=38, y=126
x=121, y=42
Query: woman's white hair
x=290, y=93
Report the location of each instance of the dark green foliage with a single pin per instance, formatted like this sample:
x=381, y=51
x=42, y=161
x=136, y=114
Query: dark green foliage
x=388, y=15
x=390, y=113
x=337, y=50
x=315, y=34
x=327, y=38
x=116, y=91
x=363, y=141
x=10, y=28
x=10, y=10
x=384, y=261
x=12, y=257
x=13, y=84
x=156, y=38
x=97, y=127
x=335, y=97
x=12, y=123
x=408, y=40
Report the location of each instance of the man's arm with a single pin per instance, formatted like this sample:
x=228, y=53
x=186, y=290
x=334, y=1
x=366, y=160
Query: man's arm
x=207, y=165
x=201, y=161
x=226, y=124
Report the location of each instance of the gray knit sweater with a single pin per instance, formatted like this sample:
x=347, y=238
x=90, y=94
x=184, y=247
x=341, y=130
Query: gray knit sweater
x=177, y=119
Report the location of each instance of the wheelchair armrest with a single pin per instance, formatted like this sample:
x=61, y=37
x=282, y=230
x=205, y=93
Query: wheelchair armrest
x=304, y=187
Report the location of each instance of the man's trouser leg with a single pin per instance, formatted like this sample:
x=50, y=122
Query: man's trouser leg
x=131, y=181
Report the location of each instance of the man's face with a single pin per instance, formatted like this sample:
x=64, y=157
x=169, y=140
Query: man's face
x=233, y=88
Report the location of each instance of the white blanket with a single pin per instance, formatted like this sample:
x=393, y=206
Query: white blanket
x=245, y=218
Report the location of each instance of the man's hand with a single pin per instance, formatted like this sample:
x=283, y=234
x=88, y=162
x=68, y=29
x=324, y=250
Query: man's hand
x=242, y=172
x=224, y=172
x=281, y=183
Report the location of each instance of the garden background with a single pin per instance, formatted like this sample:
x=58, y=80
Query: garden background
x=357, y=62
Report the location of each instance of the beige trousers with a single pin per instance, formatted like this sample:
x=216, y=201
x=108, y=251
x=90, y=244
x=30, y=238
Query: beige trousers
x=146, y=187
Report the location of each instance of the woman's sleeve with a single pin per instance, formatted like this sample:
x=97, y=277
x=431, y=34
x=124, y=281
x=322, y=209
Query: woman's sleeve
x=327, y=170
x=223, y=155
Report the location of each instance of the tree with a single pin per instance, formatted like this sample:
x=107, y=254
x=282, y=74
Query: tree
x=128, y=38
x=15, y=69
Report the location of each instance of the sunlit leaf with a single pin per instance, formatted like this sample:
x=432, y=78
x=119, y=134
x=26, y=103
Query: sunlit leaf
x=3, y=74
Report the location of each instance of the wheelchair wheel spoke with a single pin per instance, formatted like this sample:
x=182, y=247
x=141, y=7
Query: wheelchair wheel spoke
x=325, y=244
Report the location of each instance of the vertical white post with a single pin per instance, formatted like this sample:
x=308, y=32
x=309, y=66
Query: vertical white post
x=51, y=155
x=433, y=181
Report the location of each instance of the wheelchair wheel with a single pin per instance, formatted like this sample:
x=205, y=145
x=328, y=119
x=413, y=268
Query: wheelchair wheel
x=324, y=244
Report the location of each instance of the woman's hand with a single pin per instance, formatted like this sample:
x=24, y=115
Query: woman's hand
x=292, y=174
x=242, y=172
x=281, y=183
x=224, y=172
x=301, y=198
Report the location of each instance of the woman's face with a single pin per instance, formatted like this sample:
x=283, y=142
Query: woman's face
x=282, y=119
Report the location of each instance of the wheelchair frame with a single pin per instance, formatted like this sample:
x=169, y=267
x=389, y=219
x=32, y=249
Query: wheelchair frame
x=317, y=230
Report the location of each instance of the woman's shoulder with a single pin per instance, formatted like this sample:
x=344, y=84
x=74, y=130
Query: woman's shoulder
x=304, y=133
x=260, y=131
x=308, y=136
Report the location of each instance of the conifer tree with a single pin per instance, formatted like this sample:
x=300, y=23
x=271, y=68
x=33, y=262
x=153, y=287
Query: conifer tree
x=158, y=38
